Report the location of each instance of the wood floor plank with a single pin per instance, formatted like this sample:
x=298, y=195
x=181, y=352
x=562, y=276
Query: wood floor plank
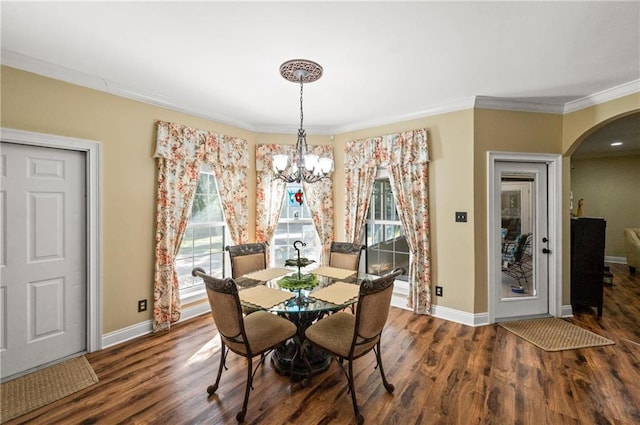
x=443, y=372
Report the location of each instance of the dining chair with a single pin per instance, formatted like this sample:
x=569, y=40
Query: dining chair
x=345, y=255
x=348, y=337
x=248, y=336
x=246, y=258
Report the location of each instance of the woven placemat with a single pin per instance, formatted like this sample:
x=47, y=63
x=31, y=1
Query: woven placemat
x=264, y=297
x=267, y=274
x=28, y=392
x=553, y=334
x=333, y=272
x=339, y=293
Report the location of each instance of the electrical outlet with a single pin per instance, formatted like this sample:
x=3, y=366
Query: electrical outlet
x=142, y=305
x=461, y=217
x=438, y=291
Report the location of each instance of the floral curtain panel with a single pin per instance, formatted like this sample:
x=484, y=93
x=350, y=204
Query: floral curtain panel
x=270, y=195
x=180, y=151
x=269, y=192
x=320, y=202
x=406, y=155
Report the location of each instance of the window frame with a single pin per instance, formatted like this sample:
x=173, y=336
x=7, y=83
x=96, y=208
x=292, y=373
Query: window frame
x=197, y=290
x=305, y=220
x=381, y=175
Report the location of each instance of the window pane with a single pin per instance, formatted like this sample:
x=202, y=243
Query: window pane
x=281, y=254
x=386, y=245
x=186, y=247
x=217, y=238
x=373, y=258
x=376, y=201
x=200, y=240
x=294, y=224
x=401, y=244
x=199, y=209
x=402, y=260
x=204, y=241
x=377, y=234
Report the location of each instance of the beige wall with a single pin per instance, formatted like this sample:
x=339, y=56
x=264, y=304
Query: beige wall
x=610, y=188
x=504, y=131
x=126, y=128
x=450, y=189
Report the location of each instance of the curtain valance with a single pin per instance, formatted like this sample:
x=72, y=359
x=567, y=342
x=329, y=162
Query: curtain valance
x=179, y=142
x=407, y=147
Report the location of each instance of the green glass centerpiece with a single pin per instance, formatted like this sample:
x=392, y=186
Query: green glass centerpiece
x=298, y=281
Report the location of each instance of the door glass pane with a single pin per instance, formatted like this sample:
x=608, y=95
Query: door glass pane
x=516, y=236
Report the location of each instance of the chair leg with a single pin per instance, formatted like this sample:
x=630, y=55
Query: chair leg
x=356, y=411
x=223, y=359
x=389, y=387
x=241, y=414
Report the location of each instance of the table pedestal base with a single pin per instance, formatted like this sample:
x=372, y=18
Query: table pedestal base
x=283, y=361
x=297, y=358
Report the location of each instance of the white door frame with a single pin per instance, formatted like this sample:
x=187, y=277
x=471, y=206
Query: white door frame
x=93, y=152
x=554, y=163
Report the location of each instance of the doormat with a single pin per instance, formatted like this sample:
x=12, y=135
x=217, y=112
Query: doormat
x=553, y=334
x=28, y=392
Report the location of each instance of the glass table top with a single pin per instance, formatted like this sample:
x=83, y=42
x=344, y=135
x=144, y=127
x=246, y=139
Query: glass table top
x=304, y=300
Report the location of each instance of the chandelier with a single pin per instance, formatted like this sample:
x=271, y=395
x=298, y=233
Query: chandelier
x=302, y=167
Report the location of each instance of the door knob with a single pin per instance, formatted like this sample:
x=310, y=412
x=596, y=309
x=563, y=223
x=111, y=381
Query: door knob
x=546, y=251
x=545, y=240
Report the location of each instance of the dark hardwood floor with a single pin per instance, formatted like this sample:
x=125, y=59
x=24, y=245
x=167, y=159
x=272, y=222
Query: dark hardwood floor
x=443, y=372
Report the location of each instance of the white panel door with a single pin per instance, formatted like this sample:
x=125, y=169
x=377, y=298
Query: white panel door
x=521, y=287
x=42, y=254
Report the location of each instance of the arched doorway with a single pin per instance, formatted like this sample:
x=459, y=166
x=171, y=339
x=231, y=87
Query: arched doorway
x=604, y=177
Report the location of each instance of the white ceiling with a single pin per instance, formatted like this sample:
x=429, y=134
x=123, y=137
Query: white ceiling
x=383, y=62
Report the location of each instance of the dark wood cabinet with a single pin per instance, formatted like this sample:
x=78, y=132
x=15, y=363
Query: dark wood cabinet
x=587, y=262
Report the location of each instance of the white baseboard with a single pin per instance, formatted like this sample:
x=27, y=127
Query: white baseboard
x=462, y=317
x=398, y=299
x=616, y=260
x=126, y=334
x=146, y=327
x=566, y=311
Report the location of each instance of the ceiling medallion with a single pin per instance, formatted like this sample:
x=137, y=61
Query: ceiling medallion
x=301, y=70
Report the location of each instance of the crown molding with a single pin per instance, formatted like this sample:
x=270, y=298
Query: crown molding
x=500, y=103
x=36, y=66
x=616, y=92
x=459, y=105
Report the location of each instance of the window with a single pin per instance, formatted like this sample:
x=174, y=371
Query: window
x=294, y=224
x=204, y=239
x=386, y=244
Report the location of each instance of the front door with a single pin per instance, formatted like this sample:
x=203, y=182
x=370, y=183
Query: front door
x=42, y=256
x=521, y=282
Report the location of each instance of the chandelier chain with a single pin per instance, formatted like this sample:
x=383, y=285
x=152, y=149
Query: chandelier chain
x=301, y=112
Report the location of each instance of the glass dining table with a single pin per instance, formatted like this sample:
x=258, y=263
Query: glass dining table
x=334, y=290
